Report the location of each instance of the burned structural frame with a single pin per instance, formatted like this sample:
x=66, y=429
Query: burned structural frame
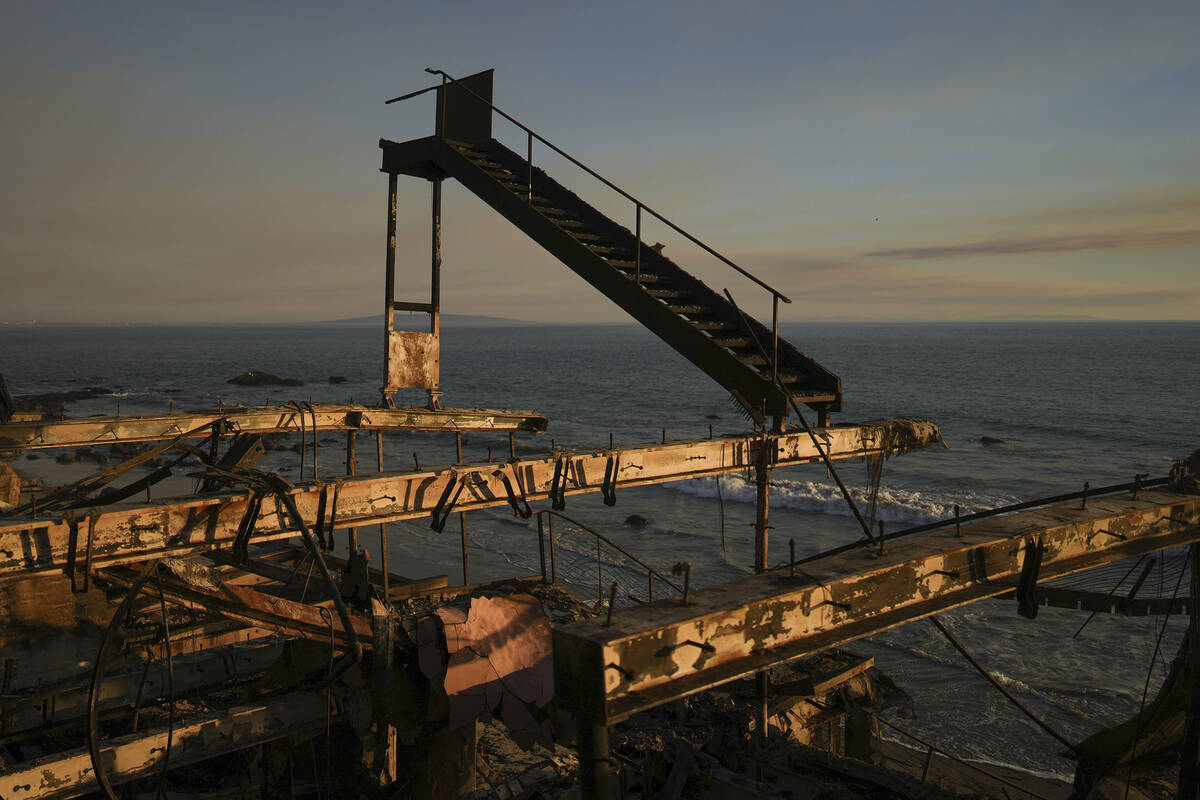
x=606, y=671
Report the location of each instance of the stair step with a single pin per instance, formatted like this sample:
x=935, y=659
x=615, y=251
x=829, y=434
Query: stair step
x=586, y=236
x=735, y=342
x=646, y=277
x=602, y=248
x=711, y=325
x=687, y=308
x=497, y=171
x=664, y=294
x=752, y=360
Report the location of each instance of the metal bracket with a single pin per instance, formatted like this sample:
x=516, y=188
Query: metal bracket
x=520, y=506
x=241, y=542
x=1026, y=602
x=319, y=525
x=558, y=485
x=445, y=504
x=611, y=470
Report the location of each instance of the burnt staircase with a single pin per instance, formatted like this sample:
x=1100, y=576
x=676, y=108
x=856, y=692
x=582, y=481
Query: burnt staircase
x=734, y=349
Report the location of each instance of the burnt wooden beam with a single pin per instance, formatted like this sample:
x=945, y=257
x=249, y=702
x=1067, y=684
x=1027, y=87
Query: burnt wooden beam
x=16, y=436
x=661, y=651
x=129, y=532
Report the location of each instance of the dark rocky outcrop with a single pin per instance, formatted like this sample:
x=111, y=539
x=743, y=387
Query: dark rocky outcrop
x=256, y=378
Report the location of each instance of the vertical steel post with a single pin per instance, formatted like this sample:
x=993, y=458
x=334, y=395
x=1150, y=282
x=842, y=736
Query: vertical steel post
x=595, y=764
x=435, y=283
x=529, y=164
x=762, y=507
x=637, y=246
x=352, y=468
x=542, y=545
x=775, y=342
x=383, y=565
x=462, y=524
x=928, y=762
x=389, y=290
x=550, y=535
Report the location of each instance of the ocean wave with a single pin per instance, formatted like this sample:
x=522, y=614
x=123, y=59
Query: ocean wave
x=894, y=505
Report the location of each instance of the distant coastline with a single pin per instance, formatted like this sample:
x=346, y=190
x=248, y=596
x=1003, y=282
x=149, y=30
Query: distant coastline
x=481, y=321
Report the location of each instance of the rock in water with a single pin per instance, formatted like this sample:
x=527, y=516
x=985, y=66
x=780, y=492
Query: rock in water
x=256, y=378
x=990, y=440
x=637, y=521
x=338, y=379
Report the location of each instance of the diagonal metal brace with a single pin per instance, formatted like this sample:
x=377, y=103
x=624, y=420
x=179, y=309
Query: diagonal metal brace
x=520, y=506
x=445, y=504
x=241, y=542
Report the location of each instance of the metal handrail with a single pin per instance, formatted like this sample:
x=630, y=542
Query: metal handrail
x=638, y=203
x=601, y=537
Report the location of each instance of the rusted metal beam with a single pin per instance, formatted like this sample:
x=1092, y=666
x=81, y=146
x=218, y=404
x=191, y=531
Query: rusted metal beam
x=242, y=603
x=128, y=532
x=17, y=436
x=660, y=651
x=69, y=774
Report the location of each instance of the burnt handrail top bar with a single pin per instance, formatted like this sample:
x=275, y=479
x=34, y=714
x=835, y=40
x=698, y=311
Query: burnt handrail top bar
x=595, y=175
x=1152, y=483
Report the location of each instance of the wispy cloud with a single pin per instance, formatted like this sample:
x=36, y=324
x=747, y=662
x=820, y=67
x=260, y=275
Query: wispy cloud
x=1061, y=243
x=896, y=290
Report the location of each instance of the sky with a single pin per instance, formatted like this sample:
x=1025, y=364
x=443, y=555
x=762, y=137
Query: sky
x=219, y=162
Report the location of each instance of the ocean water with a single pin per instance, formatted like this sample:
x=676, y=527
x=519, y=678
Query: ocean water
x=1070, y=402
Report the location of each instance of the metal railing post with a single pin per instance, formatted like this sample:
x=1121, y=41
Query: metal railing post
x=638, y=245
x=775, y=338
x=550, y=532
x=542, y=543
x=529, y=162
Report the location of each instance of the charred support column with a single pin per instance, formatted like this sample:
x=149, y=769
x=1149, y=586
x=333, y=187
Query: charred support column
x=435, y=281
x=595, y=763
x=389, y=293
x=383, y=565
x=762, y=480
x=351, y=468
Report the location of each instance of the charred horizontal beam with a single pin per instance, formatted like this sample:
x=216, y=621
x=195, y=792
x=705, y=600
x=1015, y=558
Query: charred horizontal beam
x=640, y=660
x=17, y=436
x=69, y=774
x=242, y=603
x=130, y=532
x=1104, y=603
x=193, y=671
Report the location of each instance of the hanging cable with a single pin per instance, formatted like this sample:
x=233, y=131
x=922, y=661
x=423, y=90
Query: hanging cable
x=1011, y=698
x=811, y=435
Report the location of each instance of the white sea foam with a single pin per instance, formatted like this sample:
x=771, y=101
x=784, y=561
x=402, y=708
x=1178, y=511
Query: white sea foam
x=892, y=506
